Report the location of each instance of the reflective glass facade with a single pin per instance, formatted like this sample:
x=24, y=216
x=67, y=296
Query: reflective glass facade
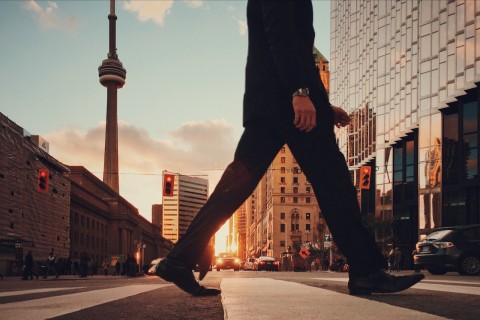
x=407, y=71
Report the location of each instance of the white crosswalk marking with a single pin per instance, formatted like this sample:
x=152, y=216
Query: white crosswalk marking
x=277, y=299
x=33, y=291
x=45, y=308
x=424, y=285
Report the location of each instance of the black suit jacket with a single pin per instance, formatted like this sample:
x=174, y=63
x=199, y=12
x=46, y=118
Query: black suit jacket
x=280, y=60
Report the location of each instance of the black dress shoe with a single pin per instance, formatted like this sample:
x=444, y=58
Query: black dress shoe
x=182, y=276
x=381, y=282
x=205, y=262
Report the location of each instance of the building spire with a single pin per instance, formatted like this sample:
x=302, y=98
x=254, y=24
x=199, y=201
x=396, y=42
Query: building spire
x=112, y=76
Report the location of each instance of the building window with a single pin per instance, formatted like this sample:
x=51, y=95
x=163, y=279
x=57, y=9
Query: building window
x=282, y=199
x=307, y=200
x=282, y=227
x=295, y=189
x=295, y=180
x=282, y=170
x=282, y=215
x=307, y=215
x=282, y=150
x=282, y=190
x=282, y=159
x=307, y=227
x=282, y=243
x=307, y=189
x=295, y=199
x=282, y=180
x=461, y=183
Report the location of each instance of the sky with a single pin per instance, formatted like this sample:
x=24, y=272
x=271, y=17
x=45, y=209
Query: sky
x=181, y=107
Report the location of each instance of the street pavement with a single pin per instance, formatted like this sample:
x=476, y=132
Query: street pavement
x=245, y=296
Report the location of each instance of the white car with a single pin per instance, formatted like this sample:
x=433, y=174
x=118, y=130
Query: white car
x=249, y=264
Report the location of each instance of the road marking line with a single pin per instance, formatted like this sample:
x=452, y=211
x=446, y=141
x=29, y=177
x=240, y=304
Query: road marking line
x=50, y=307
x=474, y=283
x=33, y=291
x=427, y=286
x=263, y=298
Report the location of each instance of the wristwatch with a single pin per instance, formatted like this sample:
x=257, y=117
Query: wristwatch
x=303, y=92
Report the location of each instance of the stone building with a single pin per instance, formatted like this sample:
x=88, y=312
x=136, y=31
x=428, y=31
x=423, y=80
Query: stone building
x=105, y=225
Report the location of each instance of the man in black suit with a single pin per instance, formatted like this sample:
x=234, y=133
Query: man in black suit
x=285, y=102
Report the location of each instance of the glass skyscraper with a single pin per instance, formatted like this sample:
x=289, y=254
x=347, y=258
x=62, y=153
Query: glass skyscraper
x=407, y=71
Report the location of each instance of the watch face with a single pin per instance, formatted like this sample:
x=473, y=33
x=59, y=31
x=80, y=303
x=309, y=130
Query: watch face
x=304, y=92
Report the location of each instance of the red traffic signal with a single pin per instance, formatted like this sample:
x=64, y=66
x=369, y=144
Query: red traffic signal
x=365, y=175
x=168, y=183
x=42, y=180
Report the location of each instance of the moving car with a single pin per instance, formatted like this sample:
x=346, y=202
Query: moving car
x=450, y=249
x=249, y=264
x=266, y=263
x=227, y=260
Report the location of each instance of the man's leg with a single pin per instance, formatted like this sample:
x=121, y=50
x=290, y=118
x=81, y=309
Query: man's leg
x=255, y=151
x=325, y=167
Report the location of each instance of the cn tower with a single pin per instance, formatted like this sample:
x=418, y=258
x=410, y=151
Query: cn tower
x=112, y=75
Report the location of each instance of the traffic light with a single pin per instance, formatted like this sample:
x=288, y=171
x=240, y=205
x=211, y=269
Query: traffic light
x=168, y=180
x=365, y=175
x=42, y=180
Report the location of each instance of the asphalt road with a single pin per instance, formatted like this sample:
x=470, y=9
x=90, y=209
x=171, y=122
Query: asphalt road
x=245, y=295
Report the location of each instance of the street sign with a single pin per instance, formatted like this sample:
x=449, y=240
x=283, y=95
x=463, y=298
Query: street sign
x=304, y=253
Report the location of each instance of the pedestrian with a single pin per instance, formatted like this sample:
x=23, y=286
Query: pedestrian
x=28, y=271
x=83, y=264
x=51, y=265
x=285, y=102
x=397, y=259
x=117, y=268
x=105, y=267
x=391, y=260
x=416, y=266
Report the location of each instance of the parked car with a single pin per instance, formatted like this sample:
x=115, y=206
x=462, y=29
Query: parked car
x=267, y=264
x=249, y=264
x=227, y=260
x=450, y=249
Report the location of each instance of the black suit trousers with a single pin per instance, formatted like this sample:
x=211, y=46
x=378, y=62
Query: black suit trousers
x=324, y=166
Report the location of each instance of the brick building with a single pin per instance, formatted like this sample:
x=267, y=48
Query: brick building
x=29, y=219
x=78, y=212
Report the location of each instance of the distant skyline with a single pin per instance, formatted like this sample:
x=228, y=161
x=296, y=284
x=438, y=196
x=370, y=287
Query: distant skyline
x=181, y=107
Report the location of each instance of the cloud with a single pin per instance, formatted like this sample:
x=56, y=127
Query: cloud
x=194, y=3
x=242, y=25
x=155, y=10
x=195, y=148
x=49, y=17
x=149, y=10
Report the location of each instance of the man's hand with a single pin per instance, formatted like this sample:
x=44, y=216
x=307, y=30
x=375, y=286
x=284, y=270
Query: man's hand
x=341, y=118
x=305, y=114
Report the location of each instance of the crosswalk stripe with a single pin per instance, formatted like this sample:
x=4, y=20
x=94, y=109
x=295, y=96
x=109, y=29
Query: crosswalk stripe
x=277, y=299
x=33, y=291
x=45, y=308
x=427, y=286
